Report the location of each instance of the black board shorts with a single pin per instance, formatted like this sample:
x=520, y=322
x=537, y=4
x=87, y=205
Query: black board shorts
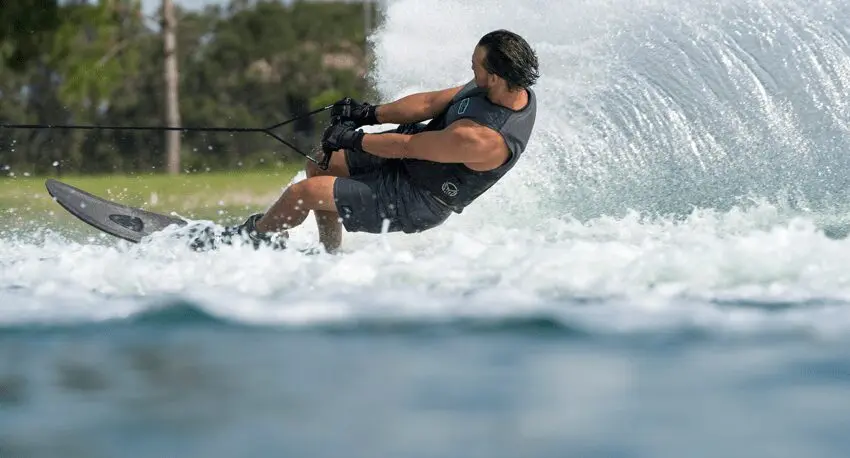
x=378, y=196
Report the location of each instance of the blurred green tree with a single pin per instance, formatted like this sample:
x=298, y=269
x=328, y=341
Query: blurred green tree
x=247, y=63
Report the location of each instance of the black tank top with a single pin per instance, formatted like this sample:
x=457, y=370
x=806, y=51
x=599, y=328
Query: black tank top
x=455, y=184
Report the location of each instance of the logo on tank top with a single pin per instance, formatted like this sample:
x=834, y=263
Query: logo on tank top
x=449, y=189
x=464, y=104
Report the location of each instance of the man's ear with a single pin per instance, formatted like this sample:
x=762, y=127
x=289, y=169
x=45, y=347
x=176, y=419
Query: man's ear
x=492, y=79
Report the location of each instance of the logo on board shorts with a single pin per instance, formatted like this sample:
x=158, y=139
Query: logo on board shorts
x=464, y=104
x=449, y=189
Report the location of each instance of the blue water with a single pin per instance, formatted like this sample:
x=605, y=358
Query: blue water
x=664, y=274
x=181, y=383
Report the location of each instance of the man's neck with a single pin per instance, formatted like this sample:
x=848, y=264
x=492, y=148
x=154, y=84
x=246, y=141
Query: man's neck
x=515, y=100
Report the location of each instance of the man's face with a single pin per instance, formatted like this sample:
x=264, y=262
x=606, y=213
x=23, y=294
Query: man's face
x=482, y=78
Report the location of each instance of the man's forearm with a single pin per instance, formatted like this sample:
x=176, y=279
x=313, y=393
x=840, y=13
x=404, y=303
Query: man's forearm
x=409, y=109
x=387, y=145
x=417, y=107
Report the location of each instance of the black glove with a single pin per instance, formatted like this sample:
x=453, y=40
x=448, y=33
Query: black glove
x=342, y=135
x=361, y=114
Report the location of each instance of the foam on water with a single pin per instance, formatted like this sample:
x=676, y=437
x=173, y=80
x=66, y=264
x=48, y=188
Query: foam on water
x=687, y=159
x=735, y=271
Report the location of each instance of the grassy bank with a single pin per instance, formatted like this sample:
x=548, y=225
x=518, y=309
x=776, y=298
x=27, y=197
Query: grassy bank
x=219, y=196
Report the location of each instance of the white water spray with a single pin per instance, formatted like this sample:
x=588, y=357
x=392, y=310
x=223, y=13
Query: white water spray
x=653, y=106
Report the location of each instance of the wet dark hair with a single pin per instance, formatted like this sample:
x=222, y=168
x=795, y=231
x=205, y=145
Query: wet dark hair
x=510, y=57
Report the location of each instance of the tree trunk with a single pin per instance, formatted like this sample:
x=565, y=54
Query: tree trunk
x=367, y=27
x=172, y=107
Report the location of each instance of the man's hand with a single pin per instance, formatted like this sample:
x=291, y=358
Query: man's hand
x=361, y=114
x=342, y=135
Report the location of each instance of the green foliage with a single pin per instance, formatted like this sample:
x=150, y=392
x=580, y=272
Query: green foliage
x=246, y=64
x=85, y=53
x=326, y=98
x=25, y=28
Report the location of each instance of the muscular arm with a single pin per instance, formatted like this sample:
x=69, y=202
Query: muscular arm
x=416, y=107
x=462, y=142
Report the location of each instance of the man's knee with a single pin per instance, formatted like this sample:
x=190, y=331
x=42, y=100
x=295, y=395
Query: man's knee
x=314, y=193
x=302, y=190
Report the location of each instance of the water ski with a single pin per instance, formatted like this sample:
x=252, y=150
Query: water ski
x=128, y=223
x=134, y=224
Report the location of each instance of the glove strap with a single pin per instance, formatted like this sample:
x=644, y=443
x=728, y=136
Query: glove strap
x=371, y=117
x=357, y=141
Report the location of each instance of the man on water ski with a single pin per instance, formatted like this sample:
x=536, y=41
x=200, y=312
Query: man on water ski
x=412, y=178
